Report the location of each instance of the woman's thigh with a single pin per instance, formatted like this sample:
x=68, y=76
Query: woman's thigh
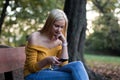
x=49, y=75
x=77, y=69
x=72, y=66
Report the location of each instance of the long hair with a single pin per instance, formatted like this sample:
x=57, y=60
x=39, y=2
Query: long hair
x=54, y=15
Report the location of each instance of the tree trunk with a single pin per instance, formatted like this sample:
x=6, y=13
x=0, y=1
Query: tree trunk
x=76, y=13
x=3, y=14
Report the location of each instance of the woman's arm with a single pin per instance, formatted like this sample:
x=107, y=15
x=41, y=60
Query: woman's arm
x=64, y=54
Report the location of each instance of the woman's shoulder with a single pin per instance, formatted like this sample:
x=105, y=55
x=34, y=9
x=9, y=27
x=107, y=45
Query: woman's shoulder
x=36, y=33
x=33, y=37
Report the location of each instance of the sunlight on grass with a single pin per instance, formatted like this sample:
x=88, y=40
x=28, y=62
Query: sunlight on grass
x=90, y=58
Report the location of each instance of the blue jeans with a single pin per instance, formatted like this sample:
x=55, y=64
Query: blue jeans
x=72, y=71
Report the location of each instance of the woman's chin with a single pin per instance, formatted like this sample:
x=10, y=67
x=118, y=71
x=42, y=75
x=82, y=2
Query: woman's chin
x=55, y=37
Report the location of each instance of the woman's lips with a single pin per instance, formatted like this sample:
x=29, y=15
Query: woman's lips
x=57, y=33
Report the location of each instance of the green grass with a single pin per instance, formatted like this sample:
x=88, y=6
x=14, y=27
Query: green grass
x=91, y=58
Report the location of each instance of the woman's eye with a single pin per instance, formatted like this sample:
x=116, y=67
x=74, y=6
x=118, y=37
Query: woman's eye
x=56, y=25
x=61, y=26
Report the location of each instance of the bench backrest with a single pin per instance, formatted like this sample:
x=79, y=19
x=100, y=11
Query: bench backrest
x=11, y=59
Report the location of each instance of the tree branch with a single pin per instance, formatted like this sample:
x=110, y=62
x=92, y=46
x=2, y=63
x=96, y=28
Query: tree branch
x=3, y=14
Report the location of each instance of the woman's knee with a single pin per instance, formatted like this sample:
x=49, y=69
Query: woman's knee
x=77, y=63
x=73, y=65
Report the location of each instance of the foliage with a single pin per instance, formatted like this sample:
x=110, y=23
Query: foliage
x=105, y=6
x=24, y=17
x=106, y=27
x=106, y=33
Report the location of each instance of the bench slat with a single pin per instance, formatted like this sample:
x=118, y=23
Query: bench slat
x=11, y=58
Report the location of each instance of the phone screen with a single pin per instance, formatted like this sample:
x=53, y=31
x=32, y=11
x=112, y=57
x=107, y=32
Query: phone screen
x=62, y=60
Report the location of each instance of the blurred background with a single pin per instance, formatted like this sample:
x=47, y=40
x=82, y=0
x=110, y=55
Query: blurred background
x=102, y=44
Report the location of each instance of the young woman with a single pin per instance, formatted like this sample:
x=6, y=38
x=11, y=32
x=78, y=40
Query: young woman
x=47, y=54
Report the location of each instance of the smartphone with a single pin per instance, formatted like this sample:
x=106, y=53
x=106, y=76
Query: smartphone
x=62, y=60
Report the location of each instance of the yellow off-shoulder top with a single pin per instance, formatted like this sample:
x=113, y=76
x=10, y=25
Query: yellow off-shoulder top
x=36, y=53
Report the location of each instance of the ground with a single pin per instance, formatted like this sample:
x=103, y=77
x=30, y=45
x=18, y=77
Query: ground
x=110, y=72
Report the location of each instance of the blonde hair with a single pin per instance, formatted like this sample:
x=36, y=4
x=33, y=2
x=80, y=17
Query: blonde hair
x=54, y=15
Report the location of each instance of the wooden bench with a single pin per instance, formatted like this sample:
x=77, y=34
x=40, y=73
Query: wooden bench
x=11, y=63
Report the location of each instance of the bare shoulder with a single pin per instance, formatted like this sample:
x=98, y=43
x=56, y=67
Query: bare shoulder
x=33, y=37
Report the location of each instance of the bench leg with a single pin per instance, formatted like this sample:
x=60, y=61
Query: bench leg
x=8, y=75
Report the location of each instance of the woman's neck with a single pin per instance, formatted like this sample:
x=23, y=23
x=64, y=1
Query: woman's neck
x=48, y=35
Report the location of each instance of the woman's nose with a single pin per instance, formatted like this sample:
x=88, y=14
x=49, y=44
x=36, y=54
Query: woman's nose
x=59, y=29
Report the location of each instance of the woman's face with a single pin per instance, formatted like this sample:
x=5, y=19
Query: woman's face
x=58, y=27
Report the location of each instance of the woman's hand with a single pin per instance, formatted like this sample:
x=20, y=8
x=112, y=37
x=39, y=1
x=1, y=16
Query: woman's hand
x=62, y=38
x=53, y=60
